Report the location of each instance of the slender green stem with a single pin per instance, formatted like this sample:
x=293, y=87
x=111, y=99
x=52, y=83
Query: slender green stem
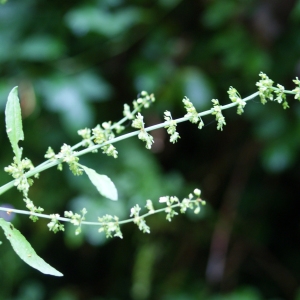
x=26, y=212
x=161, y=125
x=284, y=91
x=50, y=163
x=45, y=216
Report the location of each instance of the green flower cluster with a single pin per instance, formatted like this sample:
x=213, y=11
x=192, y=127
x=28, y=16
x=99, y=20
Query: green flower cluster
x=55, y=225
x=144, y=101
x=138, y=123
x=110, y=225
x=186, y=203
x=76, y=219
x=102, y=134
x=86, y=137
x=68, y=156
x=17, y=170
x=138, y=220
x=33, y=209
x=217, y=111
x=235, y=97
x=297, y=89
x=267, y=90
x=192, y=114
x=171, y=127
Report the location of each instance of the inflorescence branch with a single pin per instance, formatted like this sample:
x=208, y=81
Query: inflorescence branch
x=104, y=136
x=110, y=225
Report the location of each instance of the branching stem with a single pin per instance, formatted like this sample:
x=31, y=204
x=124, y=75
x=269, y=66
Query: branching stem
x=45, y=216
x=50, y=163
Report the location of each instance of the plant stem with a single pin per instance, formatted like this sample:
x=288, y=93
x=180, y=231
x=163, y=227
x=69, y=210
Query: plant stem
x=44, y=216
x=161, y=125
x=49, y=163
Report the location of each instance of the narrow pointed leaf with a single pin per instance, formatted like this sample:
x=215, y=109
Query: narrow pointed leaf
x=103, y=183
x=13, y=120
x=25, y=251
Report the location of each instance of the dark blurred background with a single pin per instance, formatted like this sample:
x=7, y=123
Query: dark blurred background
x=76, y=63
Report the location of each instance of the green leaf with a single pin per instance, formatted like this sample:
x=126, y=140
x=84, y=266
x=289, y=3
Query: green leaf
x=25, y=251
x=13, y=120
x=103, y=183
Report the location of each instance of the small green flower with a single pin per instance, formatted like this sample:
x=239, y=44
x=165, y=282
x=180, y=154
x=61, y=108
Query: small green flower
x=197, y=192
x=185, y=204
x=217, y=111
x=235, y=97
x=171, y=127
x=86, y=136
x=139, y=221
x=143, y=135
x=149, y=206
x=17, y=170
x=297, y=89
x=135, y=211
x=142, y=225
x=127, y=113
x=85, y=133
x=118, y=128
x=138, y=122
x=145, y=99
x=170, y=213
x=110, y=150
x=265, y=88
x=32, y=208
x=201, y=124
x=68, y=156
x=109, y=226
x=55, y=225
x=191, y=110
x=76, y=219
x=169, y=209
x=281, y=96
x=50, y=154
x=146, y=137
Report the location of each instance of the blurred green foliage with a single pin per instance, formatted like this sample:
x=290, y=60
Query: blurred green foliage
x=76, y=63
